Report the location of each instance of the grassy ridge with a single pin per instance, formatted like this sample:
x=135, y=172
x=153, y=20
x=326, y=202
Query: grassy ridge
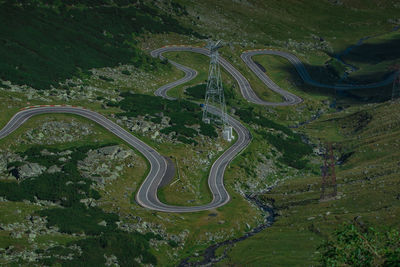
x=43, y=43
x=265, y=21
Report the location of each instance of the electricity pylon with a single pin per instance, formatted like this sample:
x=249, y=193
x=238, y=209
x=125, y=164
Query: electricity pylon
x=215, y=107
x=396, y=82
x=329, y=186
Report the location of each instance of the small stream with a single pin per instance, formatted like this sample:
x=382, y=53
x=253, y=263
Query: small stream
x=209, y=256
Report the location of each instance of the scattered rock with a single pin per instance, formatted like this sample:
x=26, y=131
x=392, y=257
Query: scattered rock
x=52, y=131
x=28, y=170
x=102, y=223
x=3, y=164
x=112, y=260
x=100, y=164
x=89, y=202
x=54, y=169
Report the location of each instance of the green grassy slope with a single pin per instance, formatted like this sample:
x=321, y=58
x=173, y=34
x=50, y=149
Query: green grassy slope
x=51, y=42
x=313, y=30
x=263, y=21
x=367, y=185
x=47, y=42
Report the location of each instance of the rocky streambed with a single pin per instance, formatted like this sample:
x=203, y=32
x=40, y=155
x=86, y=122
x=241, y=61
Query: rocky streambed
x=209, y=254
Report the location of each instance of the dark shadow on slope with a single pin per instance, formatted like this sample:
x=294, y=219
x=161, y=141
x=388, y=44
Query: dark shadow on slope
x=375, y=53
x=323, y=75
x=331, y=73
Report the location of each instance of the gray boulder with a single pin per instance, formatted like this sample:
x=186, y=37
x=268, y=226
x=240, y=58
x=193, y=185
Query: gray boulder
x=3, y=164
x=114, y=152
x=54, y=169
x=29, y=170
x=110, y=151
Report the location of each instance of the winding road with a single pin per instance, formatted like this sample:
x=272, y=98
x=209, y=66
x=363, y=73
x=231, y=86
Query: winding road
x=147, y=193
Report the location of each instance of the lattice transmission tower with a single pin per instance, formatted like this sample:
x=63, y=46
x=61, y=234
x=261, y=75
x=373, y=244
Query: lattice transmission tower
x=396, y=83
x=329, y=186
x=215, y=107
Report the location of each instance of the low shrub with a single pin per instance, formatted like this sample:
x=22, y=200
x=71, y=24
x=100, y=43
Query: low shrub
x=181, y=112
x=79, y=219
x=293, y=149
x=104, y=78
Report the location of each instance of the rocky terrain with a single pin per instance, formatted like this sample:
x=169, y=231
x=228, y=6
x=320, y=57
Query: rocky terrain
x=52, y=131
x=106, y=164
x=103, y=85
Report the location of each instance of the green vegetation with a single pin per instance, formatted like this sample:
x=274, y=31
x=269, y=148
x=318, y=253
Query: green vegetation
x=182, y=113
x=80, y=219
x=126, y=72
x=357, y=245
x=125, y=246
x=63, y=187
x=45, y=42
x=295, y=20
x=336, y=67
x=39, y=48
x=286, y=141
x=292, y=148
x=198, y=91
x=367, y=194
x=68, y=188
x=248, y=115
x=104, y=78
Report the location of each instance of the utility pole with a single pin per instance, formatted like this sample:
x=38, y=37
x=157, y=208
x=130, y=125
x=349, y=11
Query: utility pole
x=328, y=186
x=215, y=99
x=396, y=87
x=396, y=82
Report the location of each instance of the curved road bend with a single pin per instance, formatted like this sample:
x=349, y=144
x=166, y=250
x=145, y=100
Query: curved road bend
x=220, y=195
x=147, y=193
x=302, y=71
x=244, y=85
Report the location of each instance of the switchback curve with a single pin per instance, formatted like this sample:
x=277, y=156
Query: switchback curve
x=147, y=193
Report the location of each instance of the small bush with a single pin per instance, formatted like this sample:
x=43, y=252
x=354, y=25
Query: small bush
x=173, y=243
x=208, y=130
x=182, y=113
x=125, y=246
x=293, y=149
x=52, y=187
x=197, y=91
x=79, y=219
x=353, y=245
x=248, y=115
x=126, y=72
x=185, y=140
x=104, y=78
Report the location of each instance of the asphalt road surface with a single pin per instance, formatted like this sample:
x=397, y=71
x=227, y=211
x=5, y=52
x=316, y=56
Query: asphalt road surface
x=147, y=193
x=301, y=70
x=161, y=170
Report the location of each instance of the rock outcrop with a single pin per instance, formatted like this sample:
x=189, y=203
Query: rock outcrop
x=28, y=170
x=53, y=131
x=104, y=164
